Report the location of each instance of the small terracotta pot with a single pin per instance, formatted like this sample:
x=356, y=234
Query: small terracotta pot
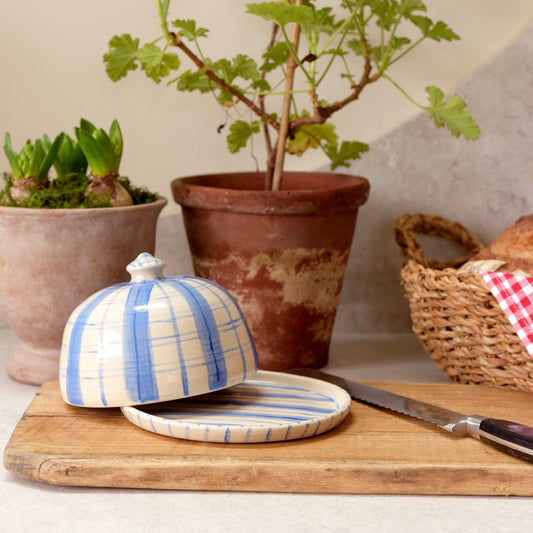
x=281, y=254
x=53, y=259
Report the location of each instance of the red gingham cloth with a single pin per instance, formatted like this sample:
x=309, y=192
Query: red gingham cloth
x=514, y=293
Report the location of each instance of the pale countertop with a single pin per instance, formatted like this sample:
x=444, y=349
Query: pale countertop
x=29, y=506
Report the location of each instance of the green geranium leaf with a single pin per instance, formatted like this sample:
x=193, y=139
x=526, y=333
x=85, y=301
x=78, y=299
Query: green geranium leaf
x=225, y=98
x=171, y=60
x=385, y=11
x=452, y=114
x=311, y=136
x=356, y=46
x=422, y=23
x=282, y=12
x=245, y=67
x=194, y=81
x=223, y=69
x=440, y=30
x=348, y=151
x=240, y=132
x=398, y=42
x=120, y=58
x=436, y=31
x=276, y=56
x=241, y=66
x=323, y=21
x=156, y=63
x=261, y=85
x=189, y=30
x=407, y=7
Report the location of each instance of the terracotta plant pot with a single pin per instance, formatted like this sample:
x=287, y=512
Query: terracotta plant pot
x=53, y=259
x=282, y=254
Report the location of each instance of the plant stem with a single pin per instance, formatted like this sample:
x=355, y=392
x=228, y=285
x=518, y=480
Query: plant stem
x=261, y=102
x=403, y=92
x=330, y=63
x=324, y=113
x=294, y=51
x=274, y=93
x=387, y=57
x=292, y=63
x=407, y=50
x=339, y=30
x=178, y=42
x=162, y=9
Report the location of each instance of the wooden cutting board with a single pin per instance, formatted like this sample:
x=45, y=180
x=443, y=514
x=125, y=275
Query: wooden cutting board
x=372, y=451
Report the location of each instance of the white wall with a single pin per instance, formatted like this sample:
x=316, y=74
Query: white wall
x=52, y=74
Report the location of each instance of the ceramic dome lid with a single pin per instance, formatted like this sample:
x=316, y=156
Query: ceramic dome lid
x=154, y=339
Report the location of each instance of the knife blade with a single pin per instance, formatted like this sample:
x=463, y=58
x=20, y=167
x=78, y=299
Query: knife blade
x=504, y=435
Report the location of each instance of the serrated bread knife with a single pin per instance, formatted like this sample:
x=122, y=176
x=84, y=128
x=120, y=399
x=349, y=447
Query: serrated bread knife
x=509, y=437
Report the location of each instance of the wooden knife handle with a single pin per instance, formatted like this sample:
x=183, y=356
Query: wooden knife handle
x=509, y=437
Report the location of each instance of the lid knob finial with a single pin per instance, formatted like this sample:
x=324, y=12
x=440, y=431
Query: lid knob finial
x=146, y=267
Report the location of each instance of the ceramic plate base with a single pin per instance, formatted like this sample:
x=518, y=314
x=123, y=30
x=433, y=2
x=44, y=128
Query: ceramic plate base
x=271, y=407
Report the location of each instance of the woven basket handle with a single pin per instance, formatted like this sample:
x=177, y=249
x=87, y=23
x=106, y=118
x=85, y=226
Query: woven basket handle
x=408, y=227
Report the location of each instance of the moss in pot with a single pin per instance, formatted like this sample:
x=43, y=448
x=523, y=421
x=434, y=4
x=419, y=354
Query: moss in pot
x=281, y=96
x=29, y=184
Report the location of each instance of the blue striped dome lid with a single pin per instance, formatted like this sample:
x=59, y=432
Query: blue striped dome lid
x=154, y=339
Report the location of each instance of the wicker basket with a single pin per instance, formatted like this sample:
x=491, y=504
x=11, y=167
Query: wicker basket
x=457, y=319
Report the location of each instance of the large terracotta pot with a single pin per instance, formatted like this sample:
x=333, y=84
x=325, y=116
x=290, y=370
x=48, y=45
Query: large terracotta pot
x=53, y=259
x=281, y=254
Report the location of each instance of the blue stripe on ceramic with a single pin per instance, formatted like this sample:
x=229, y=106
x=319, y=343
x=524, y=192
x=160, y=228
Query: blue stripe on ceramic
x=304, y=434
x=73, y=383
x=139, y=373
x=237, y=419
x=207, y=332
x=153, y=425
x=233, y=323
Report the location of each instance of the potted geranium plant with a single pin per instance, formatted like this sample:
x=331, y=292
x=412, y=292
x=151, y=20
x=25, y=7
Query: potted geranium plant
x=287, y=280
x=64, y=237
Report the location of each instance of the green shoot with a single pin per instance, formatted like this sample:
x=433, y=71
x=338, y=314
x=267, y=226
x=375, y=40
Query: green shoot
x=34, y=159
x=103, y=151
x=70, y=158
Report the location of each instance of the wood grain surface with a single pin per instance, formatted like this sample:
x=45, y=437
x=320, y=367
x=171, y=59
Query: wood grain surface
x=373, y=451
